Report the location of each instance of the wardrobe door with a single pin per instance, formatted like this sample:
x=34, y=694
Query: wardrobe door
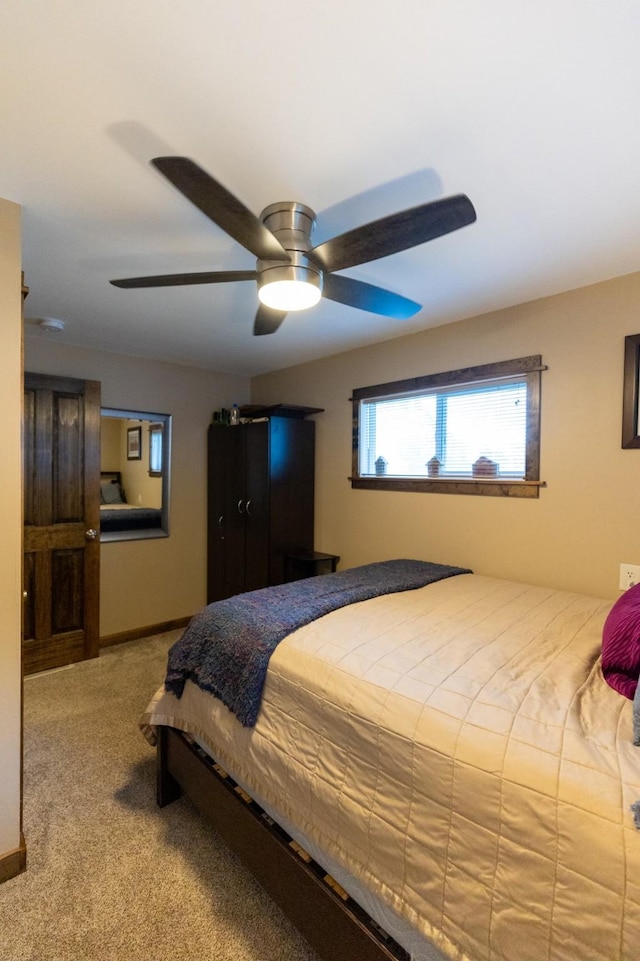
x=225, y=512
x=217, y=520
x=291, y=492
x=234, y=554
x=259, y=457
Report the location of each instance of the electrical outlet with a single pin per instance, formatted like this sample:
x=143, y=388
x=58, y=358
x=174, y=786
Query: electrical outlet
x=629, y=576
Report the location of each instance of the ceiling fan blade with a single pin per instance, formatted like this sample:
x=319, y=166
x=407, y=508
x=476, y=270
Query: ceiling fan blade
x=355, y=293
x=394, y=233
x=182, y=280
x=221, y=207
x=267, y=321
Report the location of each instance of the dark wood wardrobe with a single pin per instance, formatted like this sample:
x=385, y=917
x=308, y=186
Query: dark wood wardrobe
x=260, y=501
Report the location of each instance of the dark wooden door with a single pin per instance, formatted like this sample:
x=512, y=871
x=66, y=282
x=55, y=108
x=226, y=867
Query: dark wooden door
x=61, y=442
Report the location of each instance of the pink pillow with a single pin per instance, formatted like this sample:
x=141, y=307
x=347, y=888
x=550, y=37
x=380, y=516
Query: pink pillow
x=621, y=643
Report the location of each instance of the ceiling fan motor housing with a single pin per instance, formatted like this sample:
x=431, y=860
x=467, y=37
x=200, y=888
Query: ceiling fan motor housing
x=292, y=223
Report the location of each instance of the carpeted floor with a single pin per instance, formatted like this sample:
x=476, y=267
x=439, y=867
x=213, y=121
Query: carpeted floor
x=109, y=875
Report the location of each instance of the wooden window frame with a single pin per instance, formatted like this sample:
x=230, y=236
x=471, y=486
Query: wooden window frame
x=527, y=487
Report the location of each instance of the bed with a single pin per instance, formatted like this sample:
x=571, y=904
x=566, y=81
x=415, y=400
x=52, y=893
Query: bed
x=437, y=772
x=116, y=514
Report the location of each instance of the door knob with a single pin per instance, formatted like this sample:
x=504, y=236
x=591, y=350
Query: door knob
x=91, y=534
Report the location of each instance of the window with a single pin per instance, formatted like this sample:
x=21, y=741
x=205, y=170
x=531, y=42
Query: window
x=473, y=431
x=155, y=450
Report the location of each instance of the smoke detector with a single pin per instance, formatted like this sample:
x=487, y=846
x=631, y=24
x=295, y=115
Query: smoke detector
x=51, y=324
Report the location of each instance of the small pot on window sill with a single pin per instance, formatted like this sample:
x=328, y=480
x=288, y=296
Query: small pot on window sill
x=484, y=467
x=433, y=467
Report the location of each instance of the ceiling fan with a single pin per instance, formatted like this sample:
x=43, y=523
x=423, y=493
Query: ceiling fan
x=290, y=272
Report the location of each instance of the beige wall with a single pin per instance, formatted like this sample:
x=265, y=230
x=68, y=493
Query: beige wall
x=10, y=525
x=152, y=581
x=110, y=453
x=585, y=522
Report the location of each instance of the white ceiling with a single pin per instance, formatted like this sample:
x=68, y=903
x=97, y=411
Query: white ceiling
x=357, y=108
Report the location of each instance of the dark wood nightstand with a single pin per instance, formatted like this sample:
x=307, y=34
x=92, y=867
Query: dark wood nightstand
x=308, y=564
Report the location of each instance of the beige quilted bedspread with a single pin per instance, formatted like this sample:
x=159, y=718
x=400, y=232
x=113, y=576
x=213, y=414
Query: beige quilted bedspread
x=458, y=749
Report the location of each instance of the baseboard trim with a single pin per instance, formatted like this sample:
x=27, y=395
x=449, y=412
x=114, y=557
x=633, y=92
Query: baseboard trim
x=111, y=639
x=14, y=862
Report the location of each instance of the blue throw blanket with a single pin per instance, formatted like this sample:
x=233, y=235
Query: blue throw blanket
x=225, y=649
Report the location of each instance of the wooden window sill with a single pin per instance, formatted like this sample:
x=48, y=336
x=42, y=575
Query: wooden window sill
x=483, y=486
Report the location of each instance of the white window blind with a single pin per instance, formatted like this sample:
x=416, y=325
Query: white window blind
x=401, y=435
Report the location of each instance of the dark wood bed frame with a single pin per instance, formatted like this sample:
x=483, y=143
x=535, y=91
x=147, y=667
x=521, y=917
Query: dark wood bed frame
x=335, y=926
x=114, y=476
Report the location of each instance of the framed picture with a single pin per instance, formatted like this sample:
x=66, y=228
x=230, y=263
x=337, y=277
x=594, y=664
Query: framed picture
x=630, y=393
x=134, y=443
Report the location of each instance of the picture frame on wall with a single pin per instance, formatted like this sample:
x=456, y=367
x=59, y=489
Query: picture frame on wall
x=631, y=392
x=134, y=443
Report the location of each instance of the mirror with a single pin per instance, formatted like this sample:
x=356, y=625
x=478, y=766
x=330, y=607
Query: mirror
x=135, y=452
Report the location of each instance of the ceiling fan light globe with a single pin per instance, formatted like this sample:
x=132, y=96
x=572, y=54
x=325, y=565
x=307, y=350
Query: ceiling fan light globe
x=289, y=295
x=293, y=286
